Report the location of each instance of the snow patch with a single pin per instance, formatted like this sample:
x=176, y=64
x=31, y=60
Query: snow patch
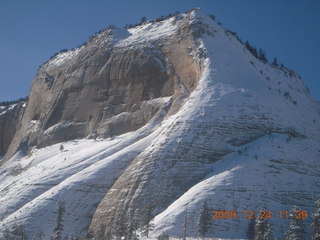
x=62, y=58
x=149, y=32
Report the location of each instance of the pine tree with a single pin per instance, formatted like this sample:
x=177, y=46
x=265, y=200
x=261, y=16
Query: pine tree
x=204, y=220
x=212, y=17
x=263, y=56
x=251, y=228
x=131, y=228
x=147, y=223
x=120, y=227
x=263, y=230
x=163, y=236
x=89, y=235
x=295, y=230
x=143, y=19
x=275, y=62
x=39, y=235
x=6, y=235
x=17, y=233
x=101, y=232
x=251, y=49
x=185, y=225
x=57, y=232
x=316, y=221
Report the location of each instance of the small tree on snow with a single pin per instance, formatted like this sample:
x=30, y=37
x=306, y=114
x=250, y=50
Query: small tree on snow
x=263, y=229
x=143, y=20
x=163, y=236
x=251, y=228
x=147, y=220
x=295, y=230
x=275, y=62
x=262, y=56
x=316, y=221
x=61, y=148
x=17, y=233
x=185, y=225
x=131, y=228
x=57, y=232
x=204, y=219
x=39, y=235
x=212, y=17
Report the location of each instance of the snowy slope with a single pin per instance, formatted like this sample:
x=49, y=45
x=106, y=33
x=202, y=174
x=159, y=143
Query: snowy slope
x=265, y=148
x=252, y=180
x=79, y=175
x=273, y=172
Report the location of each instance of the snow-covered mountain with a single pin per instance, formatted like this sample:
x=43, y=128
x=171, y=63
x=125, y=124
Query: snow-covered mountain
x=161, y=116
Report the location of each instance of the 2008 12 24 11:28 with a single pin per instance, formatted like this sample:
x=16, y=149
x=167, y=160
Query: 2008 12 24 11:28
x=263, y=214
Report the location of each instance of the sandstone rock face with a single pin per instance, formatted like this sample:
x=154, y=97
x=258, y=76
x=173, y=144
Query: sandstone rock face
x=233, y=106
x=105, y=88
x=10, y=120
x=174, y=112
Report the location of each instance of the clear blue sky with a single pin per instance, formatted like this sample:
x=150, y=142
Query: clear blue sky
x=33, y=30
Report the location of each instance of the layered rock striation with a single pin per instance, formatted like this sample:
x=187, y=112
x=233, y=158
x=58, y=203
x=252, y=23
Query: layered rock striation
x=10, y=121
x=106, y=87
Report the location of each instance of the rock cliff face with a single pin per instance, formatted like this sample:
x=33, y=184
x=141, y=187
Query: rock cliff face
x=105, y=88
x=175, y=112
x=10, y=120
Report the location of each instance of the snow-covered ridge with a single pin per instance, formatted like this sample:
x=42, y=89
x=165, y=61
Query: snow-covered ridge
x=141, y=34
x=82, y=170
x=5, y=109
x=119, y=37
x=63, y=57
x=149, y=32
x=9, y=106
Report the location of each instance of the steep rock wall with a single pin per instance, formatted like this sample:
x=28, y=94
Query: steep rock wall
x=103, y=90
x=10, y=120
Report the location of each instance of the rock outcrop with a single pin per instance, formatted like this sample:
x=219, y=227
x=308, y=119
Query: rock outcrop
x=231, y=108
x=10, y=120
x=105, y=88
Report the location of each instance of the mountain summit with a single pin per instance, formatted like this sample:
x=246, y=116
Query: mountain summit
x=145, y=125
